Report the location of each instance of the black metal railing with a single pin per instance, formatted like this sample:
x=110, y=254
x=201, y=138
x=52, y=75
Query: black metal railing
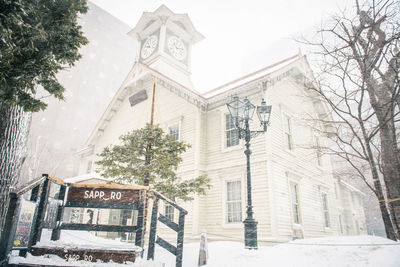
x=50, y=218
x=39, y=188
x=177, y=227
x=48, y=213
x=96, y=205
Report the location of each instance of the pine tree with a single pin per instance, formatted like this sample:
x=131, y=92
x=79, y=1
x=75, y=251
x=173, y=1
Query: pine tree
x=38, y=38
x=133, y=160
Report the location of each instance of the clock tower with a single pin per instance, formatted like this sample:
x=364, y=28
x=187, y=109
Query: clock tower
x=166, y=41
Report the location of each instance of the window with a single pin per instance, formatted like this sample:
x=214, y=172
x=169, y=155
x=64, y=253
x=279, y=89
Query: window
x=294, y=191
x=174, y=131
x=319, y=153
x=287, y=128
x=352, y=199
x=336, y=190
x=357, y=227
x=232, y=135
x=234, y=201
x=89, y=166
x=325, y=209
x=169, y=211
x=340, y=224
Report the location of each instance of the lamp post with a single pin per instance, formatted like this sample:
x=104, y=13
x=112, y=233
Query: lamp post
x=241, y=112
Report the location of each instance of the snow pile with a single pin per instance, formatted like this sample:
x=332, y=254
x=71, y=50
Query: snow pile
x=351, y=251
x=73, y=239
x=85, y=240
x=329, y=251
x=53, y=260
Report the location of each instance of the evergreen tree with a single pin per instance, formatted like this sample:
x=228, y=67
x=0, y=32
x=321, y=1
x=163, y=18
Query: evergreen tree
x=127, y=163
x=38, y=38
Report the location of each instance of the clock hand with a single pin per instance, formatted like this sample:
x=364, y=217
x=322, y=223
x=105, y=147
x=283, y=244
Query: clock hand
x=178, y=47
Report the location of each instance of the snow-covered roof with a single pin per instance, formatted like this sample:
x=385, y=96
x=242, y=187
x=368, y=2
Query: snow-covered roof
x=251, y=77
x=85, y=177
x=141, y=71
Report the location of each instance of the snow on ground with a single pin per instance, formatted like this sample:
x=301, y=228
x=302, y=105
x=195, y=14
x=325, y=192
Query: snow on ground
x=84, y=239
x=52, y=260
x=302, y=253
x=340, y=251
x=313, y=252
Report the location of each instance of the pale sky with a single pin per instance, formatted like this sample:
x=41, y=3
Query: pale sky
x=240, y=36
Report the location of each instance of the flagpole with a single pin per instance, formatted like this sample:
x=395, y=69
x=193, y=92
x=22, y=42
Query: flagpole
x=147, y=175
x=152, y=102
x=143, y=212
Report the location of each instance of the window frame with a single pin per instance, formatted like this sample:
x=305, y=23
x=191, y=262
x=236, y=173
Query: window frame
x=296, y=218
x=178, y=127
x=230, y=130
x=357, y=227
x=353, y=201
x=336, y=188
x=287, y=128
x=318, y=151
x=89, y=166
x=325, y=210
x=235, y=201
x=341, y=224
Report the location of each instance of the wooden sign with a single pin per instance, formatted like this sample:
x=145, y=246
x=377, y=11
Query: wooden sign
x=105, y=195
x=138, y=97
x=24, y=224
x=92, y=255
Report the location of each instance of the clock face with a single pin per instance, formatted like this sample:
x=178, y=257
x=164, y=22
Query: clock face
x=176, y=47
x=149, y=46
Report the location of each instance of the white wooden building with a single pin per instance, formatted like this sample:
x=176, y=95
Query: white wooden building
x=293, y=188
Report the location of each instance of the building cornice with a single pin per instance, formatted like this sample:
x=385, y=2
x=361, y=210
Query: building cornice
x=142, y=73
x=257, y=86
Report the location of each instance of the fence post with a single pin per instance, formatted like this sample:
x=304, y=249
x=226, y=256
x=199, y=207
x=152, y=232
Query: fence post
x=36, y=191
x=8, y=225
x=37, y=224
x=179, y=243
x=139, y=236
x=153, y=229
x=203, y=253
x=55, y=233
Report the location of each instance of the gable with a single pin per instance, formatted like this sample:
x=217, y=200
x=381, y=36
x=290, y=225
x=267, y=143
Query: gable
x=140, y=74
x=257, y=82
x=132, y=85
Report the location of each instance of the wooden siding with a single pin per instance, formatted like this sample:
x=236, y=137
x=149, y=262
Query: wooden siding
x=272, y=165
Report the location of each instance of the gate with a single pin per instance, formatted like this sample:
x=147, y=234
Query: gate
x=177, y=227
x=25, y=219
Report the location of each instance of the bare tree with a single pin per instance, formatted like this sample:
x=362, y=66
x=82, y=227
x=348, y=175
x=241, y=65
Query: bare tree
x=357, y=52
x=351, y=138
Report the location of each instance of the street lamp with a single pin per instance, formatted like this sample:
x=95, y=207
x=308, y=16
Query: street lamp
x=241, y=112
